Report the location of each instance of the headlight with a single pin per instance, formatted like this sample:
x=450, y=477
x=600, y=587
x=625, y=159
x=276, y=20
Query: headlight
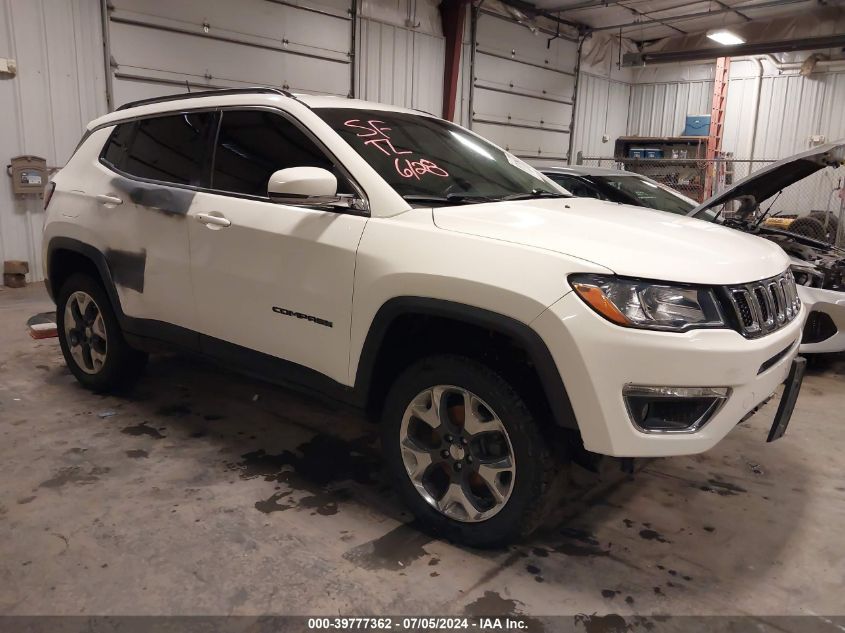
x=649, y=305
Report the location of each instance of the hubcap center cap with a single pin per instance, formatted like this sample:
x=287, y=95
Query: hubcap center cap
x=88, y=332
x=456, y=451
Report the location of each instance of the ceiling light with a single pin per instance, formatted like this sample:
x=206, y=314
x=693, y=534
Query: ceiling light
x=725, y=37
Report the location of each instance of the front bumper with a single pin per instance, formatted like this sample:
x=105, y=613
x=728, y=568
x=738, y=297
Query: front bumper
x=596, y=359
x=832, y=303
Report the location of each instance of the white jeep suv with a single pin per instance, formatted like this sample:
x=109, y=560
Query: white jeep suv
x=402, y=263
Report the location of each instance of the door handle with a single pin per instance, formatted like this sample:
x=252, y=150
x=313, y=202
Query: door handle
x=108, y=200
x=213, y=220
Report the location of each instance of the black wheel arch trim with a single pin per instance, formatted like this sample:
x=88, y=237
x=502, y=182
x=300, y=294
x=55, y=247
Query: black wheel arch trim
x=141, y=332
x=535, y=347
x=94, y=255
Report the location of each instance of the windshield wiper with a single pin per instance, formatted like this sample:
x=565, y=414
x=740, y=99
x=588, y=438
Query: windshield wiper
x=463, y=198
x=452, y=198
x=536, y=193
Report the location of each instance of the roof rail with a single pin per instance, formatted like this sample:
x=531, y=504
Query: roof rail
x=206, y=93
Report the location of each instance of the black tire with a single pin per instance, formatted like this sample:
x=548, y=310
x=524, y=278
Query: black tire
x=122, y=364
x=534, y=469
x=808, y=227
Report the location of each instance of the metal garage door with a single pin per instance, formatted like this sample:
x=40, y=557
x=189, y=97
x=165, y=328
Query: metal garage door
x=167, y=46
x=522, y=91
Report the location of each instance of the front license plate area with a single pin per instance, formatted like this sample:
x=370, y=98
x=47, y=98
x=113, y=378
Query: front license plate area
x=787, y=400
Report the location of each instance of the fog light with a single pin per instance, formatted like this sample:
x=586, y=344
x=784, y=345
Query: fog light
x=673, y=409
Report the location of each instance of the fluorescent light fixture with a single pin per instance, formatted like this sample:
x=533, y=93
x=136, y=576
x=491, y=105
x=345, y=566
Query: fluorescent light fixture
x=725, y=37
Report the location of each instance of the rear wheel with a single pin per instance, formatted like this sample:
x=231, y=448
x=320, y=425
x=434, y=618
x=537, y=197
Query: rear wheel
x=465, y=453
x=90, y=337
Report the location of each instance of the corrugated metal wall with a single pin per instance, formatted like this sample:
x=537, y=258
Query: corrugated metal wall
x=60, y=86
x=601, y=108
x=792, y=109
x=660, y=109
x=400, y=66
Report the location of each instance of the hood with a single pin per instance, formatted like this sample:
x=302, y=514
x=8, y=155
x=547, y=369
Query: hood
x=766, y=182
x=630, y=241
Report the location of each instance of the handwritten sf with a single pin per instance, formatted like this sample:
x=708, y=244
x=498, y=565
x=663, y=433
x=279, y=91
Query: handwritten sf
x=375, y=132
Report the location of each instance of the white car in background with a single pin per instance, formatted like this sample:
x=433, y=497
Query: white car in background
x=818, y=267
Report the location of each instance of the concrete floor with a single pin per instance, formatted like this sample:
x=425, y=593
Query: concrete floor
x=207, y=493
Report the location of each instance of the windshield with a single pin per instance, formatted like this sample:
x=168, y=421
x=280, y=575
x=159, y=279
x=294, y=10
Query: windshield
x=646, y=193
x=712, y=214
x=430, y=160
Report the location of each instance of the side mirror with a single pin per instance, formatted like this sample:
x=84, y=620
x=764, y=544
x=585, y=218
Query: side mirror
x=303, y=185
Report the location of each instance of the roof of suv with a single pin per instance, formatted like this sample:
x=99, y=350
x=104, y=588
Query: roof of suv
x=235, y=97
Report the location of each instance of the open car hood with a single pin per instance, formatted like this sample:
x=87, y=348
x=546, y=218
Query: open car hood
x=766, y=182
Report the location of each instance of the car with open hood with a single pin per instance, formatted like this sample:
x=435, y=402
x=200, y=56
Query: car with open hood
x=818, y=265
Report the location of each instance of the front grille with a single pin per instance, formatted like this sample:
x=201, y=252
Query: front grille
x=764, y=306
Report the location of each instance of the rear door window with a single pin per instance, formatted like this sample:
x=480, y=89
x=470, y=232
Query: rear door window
x=169, y=149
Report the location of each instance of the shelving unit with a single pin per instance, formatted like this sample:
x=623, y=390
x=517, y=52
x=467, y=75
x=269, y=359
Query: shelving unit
x=682, y=166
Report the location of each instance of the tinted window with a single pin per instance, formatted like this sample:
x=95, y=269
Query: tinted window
x=646, y=193
x=118, y=143
x=428, y=159
x=168, y=148
x=577, y=187
x=252, y=144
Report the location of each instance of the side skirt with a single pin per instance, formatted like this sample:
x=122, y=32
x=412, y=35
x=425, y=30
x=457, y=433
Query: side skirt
x=157, y=337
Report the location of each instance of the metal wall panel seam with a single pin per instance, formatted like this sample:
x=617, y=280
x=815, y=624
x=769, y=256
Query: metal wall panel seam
x=228, y=40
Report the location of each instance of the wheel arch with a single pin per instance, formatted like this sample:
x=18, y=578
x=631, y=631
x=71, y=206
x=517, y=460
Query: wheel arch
x=66, y=256
x=392, y=312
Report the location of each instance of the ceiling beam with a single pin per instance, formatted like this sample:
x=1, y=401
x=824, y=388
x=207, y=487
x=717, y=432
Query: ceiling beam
x=601, y=4
x=758, y=48
x=699, y=14
x=532, y=11
x=734, y=10
x=665, y=23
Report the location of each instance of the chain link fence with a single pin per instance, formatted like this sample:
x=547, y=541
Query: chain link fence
x=813, y=206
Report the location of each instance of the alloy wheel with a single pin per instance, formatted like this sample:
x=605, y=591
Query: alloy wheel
x=457, y=453
x=85, y=332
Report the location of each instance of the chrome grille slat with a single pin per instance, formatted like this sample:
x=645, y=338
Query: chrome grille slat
x=789, y=310
x=764, y=301
x=764, y=306
x=780, y=301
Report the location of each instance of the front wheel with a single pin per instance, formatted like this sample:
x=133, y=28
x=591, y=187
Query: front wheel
x=90, y=337
x=465, y=452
